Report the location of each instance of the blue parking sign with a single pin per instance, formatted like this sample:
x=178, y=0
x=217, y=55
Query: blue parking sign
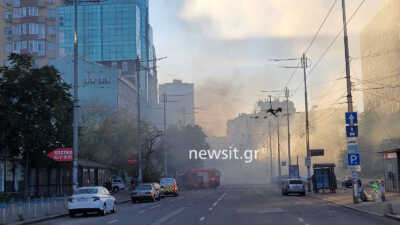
x=353, y=159
x=352, y=131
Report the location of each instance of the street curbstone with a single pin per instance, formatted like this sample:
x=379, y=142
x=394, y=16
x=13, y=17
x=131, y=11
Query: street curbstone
x=47, y=218
x=393, y=216
x=350, y=207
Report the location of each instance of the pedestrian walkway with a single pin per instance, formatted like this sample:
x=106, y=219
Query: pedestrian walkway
x=36, y=210
x=344, y=198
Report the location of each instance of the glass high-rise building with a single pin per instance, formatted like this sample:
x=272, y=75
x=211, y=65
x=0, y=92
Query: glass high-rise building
x=107, y=31
x=115, y=33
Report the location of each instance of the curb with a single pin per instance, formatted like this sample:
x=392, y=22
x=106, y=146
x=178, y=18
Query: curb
x=393, y=216
x=38, y=220
x=350, y=207
x=47, y=218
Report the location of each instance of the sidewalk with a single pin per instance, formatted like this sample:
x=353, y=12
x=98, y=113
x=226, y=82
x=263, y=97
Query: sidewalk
x=41, y=214
x=344, y=198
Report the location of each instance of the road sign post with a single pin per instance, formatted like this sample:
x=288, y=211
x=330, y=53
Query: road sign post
x=353, y=156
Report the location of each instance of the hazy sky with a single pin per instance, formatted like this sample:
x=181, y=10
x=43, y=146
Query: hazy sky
x=224, y=47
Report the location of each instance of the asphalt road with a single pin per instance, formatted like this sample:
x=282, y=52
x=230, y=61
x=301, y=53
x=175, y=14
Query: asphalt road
x=237, y=205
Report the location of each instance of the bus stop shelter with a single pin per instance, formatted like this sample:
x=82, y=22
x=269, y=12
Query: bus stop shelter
x=391, y=169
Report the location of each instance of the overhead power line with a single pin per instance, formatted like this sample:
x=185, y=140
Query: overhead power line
x=320, y=27
x=313, y=40
x=332, y=43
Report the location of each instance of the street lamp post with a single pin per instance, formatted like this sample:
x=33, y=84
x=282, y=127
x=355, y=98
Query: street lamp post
x=76, y=100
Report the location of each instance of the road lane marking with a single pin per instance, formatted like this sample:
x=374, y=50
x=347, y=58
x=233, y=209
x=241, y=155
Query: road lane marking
x=210, y=209
x=112, y=221
x=144, y=210
x=215, y=204
x=167, y=217
x=301, y=219
x=158, y=205
x=202, y=218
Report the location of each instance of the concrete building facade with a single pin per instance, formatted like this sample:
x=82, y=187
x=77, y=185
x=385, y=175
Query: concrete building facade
x=380, y=55
x=29, y=27
x=179, y=102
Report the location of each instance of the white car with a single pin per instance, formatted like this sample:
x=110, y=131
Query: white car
x=91, y=199
x=117, y=185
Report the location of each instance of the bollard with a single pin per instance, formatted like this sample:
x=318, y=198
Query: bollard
x=20, y=214
x=389, y=209
x=28, y=203
x=3, y=206
x=35, y=206
x=48, y=206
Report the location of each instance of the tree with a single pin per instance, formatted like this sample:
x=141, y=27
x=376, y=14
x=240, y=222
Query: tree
x=179, y=142
x=35, y=110
x=110, y=138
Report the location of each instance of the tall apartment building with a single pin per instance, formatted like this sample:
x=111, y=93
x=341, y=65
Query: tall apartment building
x=380, y=56
x=180, y=102
x=29, y=26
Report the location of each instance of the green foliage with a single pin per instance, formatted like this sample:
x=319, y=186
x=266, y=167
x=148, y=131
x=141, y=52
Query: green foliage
x=35, y=109
x=110, y=138
x=179, y=142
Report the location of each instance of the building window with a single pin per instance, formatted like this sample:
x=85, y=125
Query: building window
x=52, y=13
x=33, y=28
x=37, y=46
x=51, y=46
x=33, y=11
x=50, y=1
x=114, y=64
x=125, y=66
x=7, y=48
x=8, y=16
x=17, y=3
x=7, y=31
x=52, y=30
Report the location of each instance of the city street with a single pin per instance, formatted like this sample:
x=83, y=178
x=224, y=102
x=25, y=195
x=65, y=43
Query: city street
x=244, y=204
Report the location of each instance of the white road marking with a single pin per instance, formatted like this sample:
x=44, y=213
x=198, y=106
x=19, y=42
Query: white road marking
x=158, y=205
x=215, y=204
x=144, y=210
x=301, y=219
x=202, y=218
x=167, y=217
x=210, y=209
x=112, y=221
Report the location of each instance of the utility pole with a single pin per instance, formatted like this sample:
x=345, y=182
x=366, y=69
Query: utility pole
x=139, y=144
x=288, y=125
x=165, y=134
x=349, y=96
x=279, y=148
x=275, y=113
x=270, y=148
x=308, y=159
x=76, y=100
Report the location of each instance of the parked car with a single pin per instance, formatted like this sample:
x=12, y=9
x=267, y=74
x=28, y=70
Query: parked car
x=293, y=185
x=91, y=199
x=169, y=186
x=157, y=186
x=145, y=191
x=117, y=184
x=348, y=183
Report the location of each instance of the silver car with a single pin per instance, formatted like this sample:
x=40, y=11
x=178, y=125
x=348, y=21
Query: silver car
x=146, y=191
x=293, y=185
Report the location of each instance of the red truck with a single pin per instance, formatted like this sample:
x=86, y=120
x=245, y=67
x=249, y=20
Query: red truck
x=199, y=178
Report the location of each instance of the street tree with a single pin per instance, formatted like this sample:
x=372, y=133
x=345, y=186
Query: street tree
x=35, y=111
